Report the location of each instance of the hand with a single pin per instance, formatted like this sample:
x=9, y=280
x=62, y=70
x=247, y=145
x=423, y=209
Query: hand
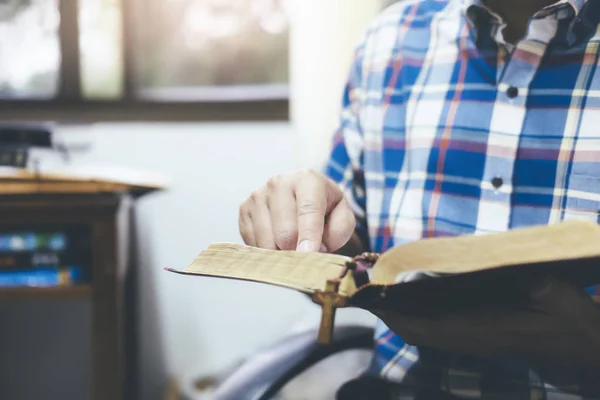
x=302, y=211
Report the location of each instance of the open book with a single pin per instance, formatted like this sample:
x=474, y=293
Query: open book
x=431, y=275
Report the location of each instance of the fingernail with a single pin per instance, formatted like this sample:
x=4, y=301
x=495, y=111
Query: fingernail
x=324, y=249
x=305, y=246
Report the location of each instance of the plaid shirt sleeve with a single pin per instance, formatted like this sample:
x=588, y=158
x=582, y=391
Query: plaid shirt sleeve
x=345, y=165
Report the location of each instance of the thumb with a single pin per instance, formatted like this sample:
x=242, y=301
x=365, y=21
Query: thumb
x=339, y=227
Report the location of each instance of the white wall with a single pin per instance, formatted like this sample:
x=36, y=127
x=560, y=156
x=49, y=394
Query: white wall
x=323, y=37
x=199, y=325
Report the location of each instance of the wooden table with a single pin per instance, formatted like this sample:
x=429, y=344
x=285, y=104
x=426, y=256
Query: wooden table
x=102, y=205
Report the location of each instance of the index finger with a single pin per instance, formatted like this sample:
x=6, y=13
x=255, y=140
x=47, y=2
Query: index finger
x=311, y=201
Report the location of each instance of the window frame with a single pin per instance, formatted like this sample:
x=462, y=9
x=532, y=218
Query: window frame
x=69, y=105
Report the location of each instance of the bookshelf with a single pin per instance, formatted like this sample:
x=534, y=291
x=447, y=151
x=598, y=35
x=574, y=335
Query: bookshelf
x=100, y=203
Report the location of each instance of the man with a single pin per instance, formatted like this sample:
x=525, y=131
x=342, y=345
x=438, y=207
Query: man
x=460, y=117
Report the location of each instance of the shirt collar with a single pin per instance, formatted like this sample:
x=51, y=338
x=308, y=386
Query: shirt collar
x=579, y=27
x=576, y=5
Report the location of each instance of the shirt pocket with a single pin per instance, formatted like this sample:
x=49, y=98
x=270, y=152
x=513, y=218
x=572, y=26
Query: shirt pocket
x=583, y=197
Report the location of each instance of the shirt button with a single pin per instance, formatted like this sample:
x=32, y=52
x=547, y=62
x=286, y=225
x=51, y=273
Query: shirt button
x=512, y=92
x=497, y=182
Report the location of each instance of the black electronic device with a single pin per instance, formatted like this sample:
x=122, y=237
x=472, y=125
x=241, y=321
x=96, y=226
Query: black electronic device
x=17, y=139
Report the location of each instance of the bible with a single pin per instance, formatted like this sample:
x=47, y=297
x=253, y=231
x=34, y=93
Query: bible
x=429, y=277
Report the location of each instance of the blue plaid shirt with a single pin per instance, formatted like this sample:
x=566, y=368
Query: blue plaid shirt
x=448, y=130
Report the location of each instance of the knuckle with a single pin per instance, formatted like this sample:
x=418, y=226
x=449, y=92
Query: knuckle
x=245, y=237
x=244, y=231
x=286, y=239
x=307, y=209
x=256, y=196
x=274, y=182
x=307, y=173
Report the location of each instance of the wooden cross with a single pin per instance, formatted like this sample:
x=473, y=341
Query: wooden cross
x=329, y=300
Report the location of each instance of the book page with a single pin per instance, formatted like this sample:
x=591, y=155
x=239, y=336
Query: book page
x=305, y=272
x=570, y=240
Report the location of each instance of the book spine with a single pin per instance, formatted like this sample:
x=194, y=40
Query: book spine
x=24, y=261
x=30, y=241
x=14, y=157
x=46, y=277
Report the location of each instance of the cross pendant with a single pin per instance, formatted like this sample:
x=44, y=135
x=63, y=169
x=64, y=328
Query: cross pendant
x=329, y=300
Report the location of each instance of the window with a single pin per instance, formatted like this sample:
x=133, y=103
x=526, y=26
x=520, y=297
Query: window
x=143, y=59
x=29, y=49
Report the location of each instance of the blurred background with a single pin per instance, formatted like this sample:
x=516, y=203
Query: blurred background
x=215, y=96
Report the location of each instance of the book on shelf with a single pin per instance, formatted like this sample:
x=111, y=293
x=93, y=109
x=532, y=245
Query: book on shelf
x=38, y=259
x=41, y=277
x=43, y=257
x=19, y=241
